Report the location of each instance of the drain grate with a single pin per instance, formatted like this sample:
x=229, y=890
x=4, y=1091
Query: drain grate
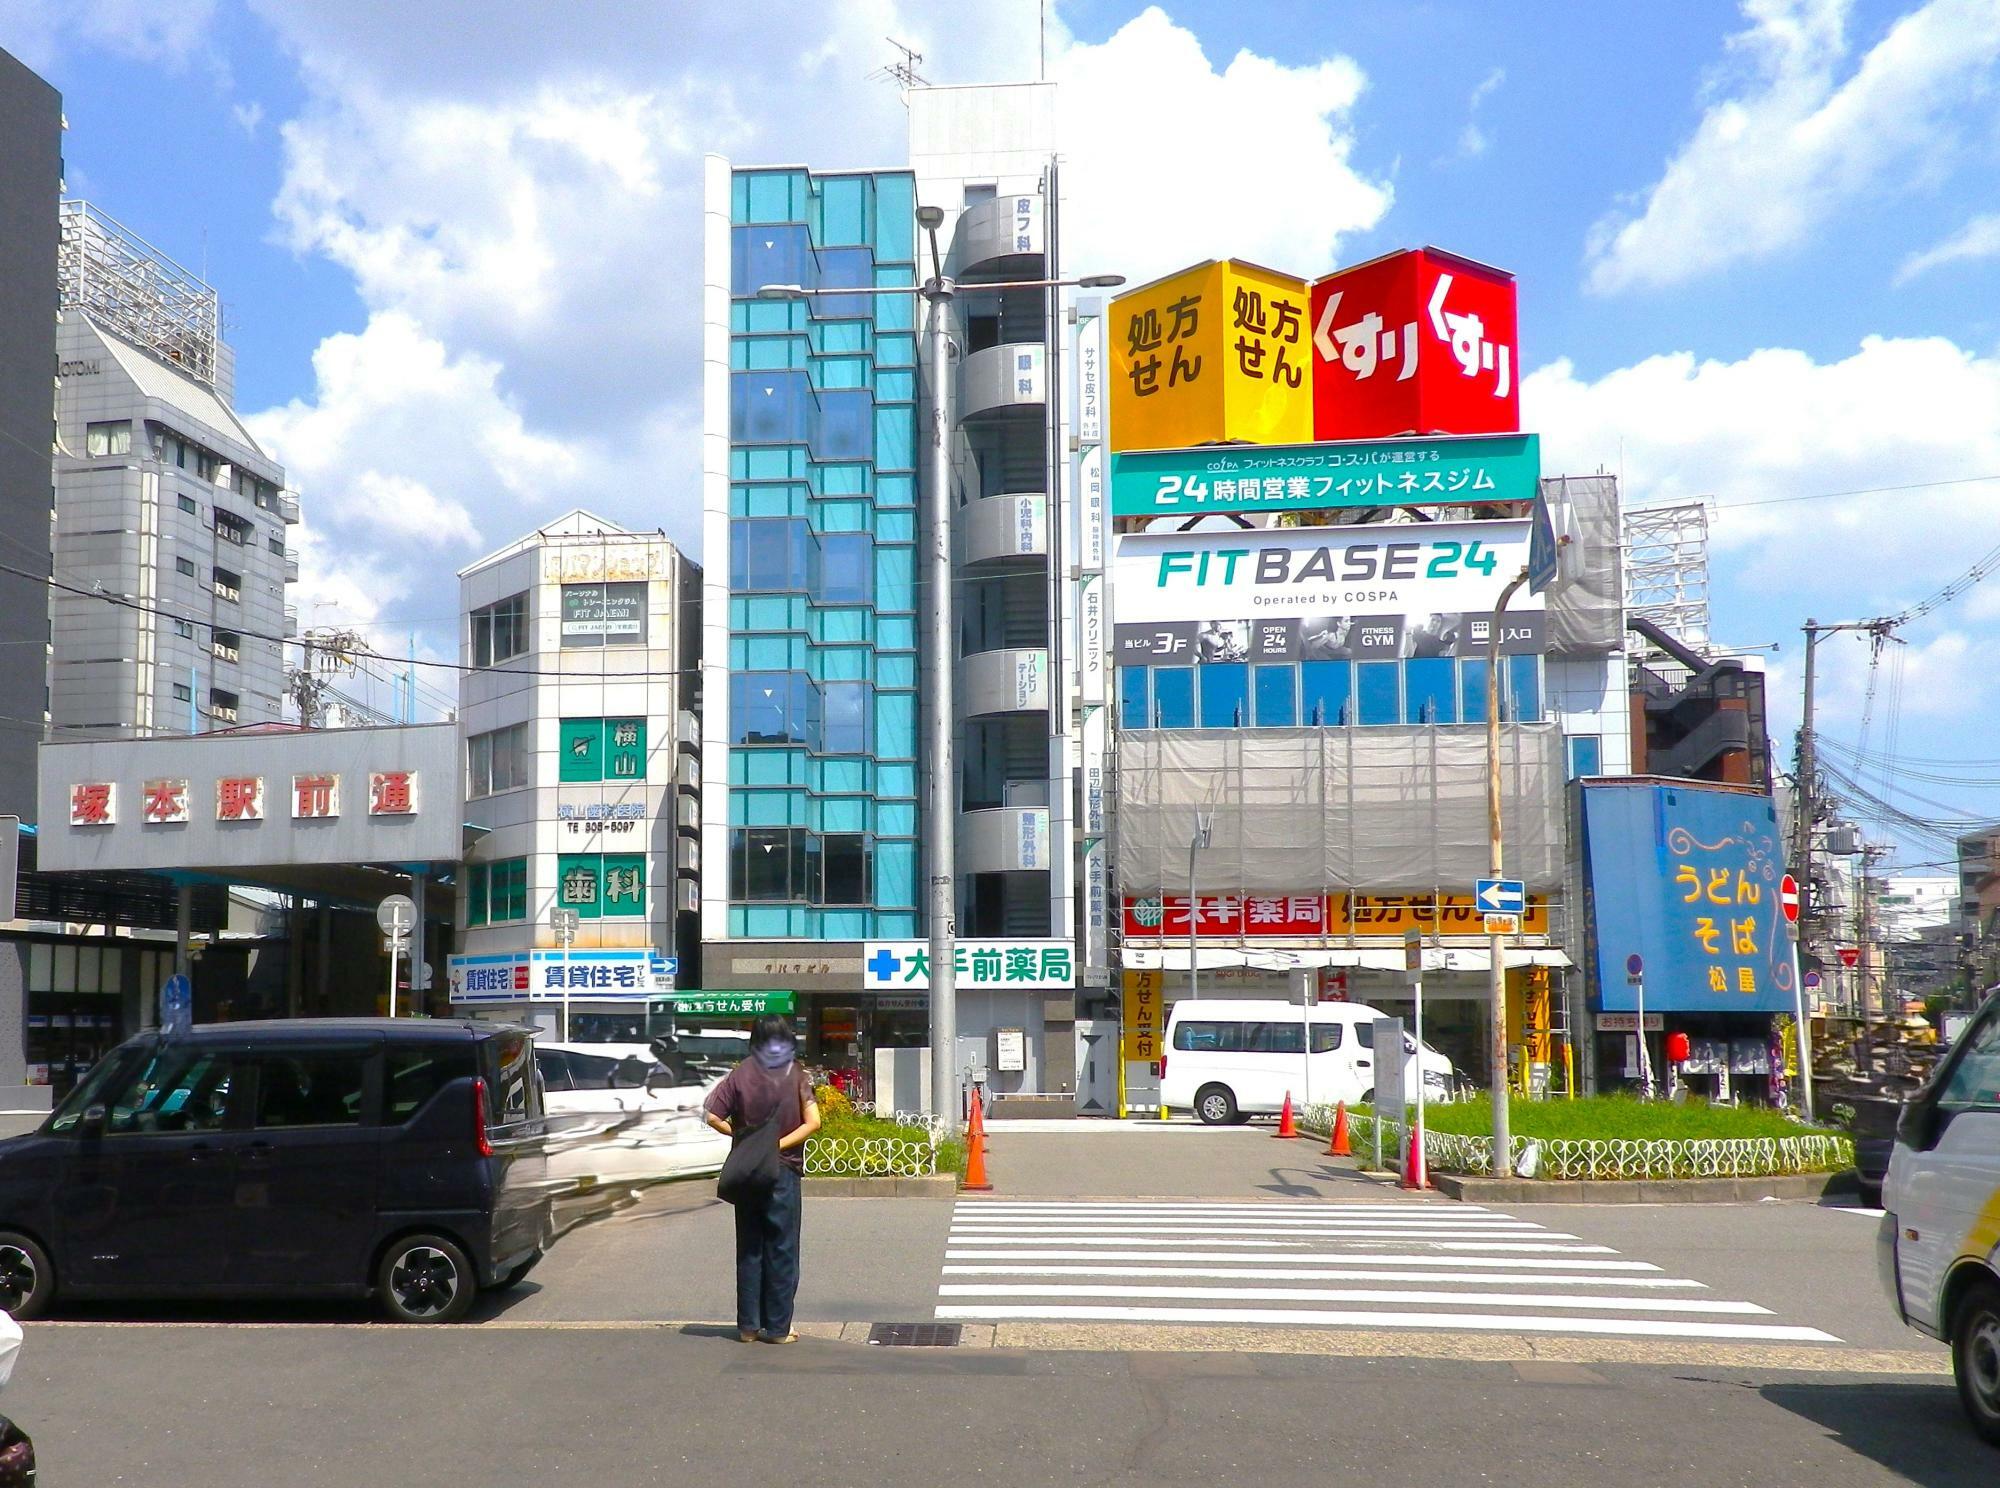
x=916, y=1335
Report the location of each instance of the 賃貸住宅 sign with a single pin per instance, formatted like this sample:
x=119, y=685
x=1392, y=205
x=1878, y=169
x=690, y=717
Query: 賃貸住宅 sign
x=1320, y=593
x=1686, y=877
x=1357, y=475
x=1025, y=965
x=623, y=975
x=1314, y=916
x=1219, y=352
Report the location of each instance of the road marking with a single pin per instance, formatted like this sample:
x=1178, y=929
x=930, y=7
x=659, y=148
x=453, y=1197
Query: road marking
x=964, y=1239
x=1201, y=1231
x=1295, y=1258
x=1361, y=1294
x=1328, y=1317
x=1225, y=1273
x=1230, y=1226
x=1431, y=1208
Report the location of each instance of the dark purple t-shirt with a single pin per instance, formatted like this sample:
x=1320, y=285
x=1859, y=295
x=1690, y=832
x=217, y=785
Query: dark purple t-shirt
x=749, y=1094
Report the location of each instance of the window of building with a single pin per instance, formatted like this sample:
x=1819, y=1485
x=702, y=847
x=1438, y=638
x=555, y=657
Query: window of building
x=183, y=693
x=276, y=543
x=844, y=862
x=500, y=631
x=114, y=437
x=232, y=529
x=1586, y=755
x=847, y=569
x=844, y=726
x=772, y=555
x=1134, y=697
x=1524, y=689
x=1472, y=691
x=1225, y=694
x=773, y=863
x=185, y=568
x=1378, y=691
x=496, y=892
x=185, y=627
x=226, y=645
x=774, y=708
x=1430, y=690
x=228, y=585
x=189, y=505
x=496, y=761
x=475, y=888
x=1277, y=696
x=1173, y=697
x=1326, y=688
x=222, y=703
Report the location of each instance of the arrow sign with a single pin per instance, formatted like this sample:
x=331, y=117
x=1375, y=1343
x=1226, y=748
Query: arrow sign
x=1500, y=895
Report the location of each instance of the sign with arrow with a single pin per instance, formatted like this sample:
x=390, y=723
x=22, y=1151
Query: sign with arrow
x=1507, y=896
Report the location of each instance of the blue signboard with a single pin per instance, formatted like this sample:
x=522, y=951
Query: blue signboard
x=1686, y=877
x=177, y=1005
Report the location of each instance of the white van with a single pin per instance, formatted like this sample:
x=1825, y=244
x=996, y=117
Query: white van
x=1939, y=1244
x=1227, y=1059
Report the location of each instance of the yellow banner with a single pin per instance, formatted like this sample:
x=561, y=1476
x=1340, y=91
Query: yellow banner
x=1143, y=1033
x=1395, y=914
x=1219, y=352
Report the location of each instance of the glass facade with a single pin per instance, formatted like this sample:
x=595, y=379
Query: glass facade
x=1325, y=694
x=823, y=788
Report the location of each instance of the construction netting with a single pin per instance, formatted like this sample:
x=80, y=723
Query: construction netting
x=1587, y=611
x=1297, y=810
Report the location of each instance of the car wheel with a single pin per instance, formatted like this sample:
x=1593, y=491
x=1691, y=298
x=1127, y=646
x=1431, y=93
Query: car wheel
x=425, y=1279
x=518, y=1275
x=1975, y=1357
x=27, y=1279
x=1215, y=1105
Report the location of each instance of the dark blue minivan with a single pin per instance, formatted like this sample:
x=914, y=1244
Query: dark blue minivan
x=311, y=1157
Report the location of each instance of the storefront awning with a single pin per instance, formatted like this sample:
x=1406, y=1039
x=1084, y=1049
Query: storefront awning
x=1266, y=958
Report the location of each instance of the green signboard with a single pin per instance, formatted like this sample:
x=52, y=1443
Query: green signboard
x=728, y=1004
x=1355, y=475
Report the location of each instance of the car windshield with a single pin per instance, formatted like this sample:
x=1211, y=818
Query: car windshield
x=91, y=1090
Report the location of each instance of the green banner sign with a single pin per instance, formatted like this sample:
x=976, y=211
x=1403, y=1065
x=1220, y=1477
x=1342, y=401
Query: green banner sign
x=728, y=1004
x=1349, y=475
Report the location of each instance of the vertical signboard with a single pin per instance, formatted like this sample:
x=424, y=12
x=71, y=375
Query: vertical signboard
x=1093, y=641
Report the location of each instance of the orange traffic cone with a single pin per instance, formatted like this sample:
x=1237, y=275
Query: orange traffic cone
x=1339, y=1147
x=1286, y=1128
x=975, y=1150
x=1414, y=1172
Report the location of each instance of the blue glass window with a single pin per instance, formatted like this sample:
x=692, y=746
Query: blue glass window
x=1377, y=688
x=774, y=708
x=1524, y=688
x=1173, y=697
x=1586, y=755
x=1134, y=697
x=1327, y=686
x=848, y=707
x=771, y=556
x=843, y=209
x=1225, y=694
x=769, y=255
x=844, y=426
x=772, y=407
x=1277, y=697
x=846, y=569
x=844, y=268
x=1430, y=690
x=1472, y=691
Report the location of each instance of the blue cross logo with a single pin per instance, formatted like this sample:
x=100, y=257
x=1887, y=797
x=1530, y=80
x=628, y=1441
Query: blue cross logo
x=883, y=964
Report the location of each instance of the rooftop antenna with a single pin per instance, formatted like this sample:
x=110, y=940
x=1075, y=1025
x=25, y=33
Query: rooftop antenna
x=904, y=69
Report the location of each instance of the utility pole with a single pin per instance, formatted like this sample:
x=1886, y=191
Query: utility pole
x=1805, y=803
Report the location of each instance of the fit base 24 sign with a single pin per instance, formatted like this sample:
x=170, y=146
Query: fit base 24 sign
x=1216, y=352
x=1417, y=342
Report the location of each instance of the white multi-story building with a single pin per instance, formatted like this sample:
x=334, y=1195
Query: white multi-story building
x=163, y=500
x=581, y=773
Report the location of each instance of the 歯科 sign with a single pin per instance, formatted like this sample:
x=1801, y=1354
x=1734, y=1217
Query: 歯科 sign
x=1684, y=878
x=1357, y=475
x=1026, y=965
x=1320, y=593
x=1417, y=342
x=1214, y=353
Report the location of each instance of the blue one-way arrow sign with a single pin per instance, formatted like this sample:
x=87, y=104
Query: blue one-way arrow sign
x=1500, y=896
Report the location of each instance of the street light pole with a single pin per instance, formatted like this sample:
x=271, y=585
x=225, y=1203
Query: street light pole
x=1196, y=842
x=1496, y=945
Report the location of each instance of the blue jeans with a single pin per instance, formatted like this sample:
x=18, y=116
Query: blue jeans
x=767, y=1257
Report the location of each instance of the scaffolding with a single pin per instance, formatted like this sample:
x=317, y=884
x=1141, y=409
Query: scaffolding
x=130, y=288
x=1666, y=569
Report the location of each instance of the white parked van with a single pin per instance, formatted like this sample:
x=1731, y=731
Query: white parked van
x=1940, y=1239
x=1227, y=1059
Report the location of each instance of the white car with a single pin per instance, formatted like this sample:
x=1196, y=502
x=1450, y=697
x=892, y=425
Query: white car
x=622, y=1119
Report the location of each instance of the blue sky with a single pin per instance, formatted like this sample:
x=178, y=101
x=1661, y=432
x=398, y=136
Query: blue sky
x=1758, y=247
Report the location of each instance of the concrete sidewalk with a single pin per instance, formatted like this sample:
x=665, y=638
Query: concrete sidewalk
x=1130, y=1160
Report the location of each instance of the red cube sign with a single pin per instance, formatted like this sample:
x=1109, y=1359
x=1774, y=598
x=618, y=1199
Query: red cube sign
x=1418, y=342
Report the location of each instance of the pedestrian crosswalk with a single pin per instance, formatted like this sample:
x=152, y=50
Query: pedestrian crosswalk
x=1399, y=1265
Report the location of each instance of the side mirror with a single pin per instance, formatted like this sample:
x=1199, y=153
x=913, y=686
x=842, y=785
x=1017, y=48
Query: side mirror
x=94, y=1121
x=1918, y=1124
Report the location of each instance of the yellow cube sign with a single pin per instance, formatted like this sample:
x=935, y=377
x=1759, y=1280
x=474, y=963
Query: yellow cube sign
x=1214, y=354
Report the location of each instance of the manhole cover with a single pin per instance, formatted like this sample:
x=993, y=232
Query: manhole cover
x=915, y=1335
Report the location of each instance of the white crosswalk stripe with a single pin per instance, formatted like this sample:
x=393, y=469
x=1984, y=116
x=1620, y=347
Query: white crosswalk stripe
x=1398, y=1265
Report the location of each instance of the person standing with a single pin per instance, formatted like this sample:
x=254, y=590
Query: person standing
x=768, y=1086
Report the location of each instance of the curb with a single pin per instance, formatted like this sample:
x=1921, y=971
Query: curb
x=1642, y=1190
x=935, y=1186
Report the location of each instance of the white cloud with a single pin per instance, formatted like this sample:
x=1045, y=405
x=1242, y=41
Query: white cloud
x=1788, y=142
x=1979, y=238
x=170, y=31
x=1155, y=189
x=1473, y=140
x=1757, y=433
x=247, y=116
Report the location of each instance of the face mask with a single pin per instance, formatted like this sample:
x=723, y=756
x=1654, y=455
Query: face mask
x=775, y=1054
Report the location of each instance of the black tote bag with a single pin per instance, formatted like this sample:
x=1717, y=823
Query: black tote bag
x=751, y=1170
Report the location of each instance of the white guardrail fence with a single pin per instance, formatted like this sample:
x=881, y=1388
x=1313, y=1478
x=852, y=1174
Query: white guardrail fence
x=1735, y=1157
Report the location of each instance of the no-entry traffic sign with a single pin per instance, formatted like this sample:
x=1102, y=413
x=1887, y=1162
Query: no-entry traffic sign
x=1788, y=898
